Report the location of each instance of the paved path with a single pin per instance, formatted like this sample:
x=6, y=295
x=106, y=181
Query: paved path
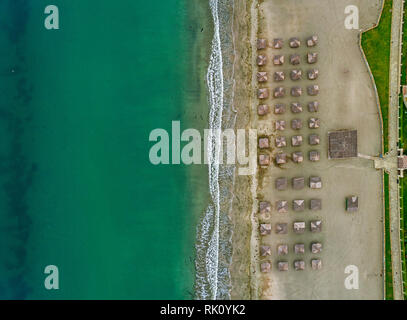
x=395, y=61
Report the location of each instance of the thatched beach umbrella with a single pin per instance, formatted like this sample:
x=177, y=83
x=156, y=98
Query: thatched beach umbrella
x=296, y=141
x=312, y=57
x=314, y=139
x=263, y=93
x=281, y=158
x=315, y=204
x=282, y=266
x=296, y=91
x=279, y=92
x=296, y=74
x=316, y=226
x=297, y=157
x=296, y=107
x=352, y=203
x=262, y=76
x=282, y=249
x=298, y=183
x=313, y=90
x=278, y=60
x=296, y=124
x=299, y=227
x=280, y=125
x=299, y=265
x=281, y=228
x=265, y=229
x=261, y=60
x=312, y=41
x=261, y=44
x=294, y=42
x=279, y=108
x=264, y=159
x=314, y=155
x=281, y=183
x=282, y=206
x=265, y=267
x=313, y=123
x=313, y=74
x=316, y=264
x=265, y=251
x=264, y=207
x=298, y=205
x=299, y=248
x=277, y=43
x=295, y=59
x=279, y=76
x=316, y=247
x=263, y=109
x=313, y=106
x=264, y=143
x=315, y=182
x=281, y=142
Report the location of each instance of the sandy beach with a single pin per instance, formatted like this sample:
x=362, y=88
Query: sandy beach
x=347, y=101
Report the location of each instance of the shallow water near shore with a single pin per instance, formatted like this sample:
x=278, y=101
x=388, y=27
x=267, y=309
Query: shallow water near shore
x=78, y=190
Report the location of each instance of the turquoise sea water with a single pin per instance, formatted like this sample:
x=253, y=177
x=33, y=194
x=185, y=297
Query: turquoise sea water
x=76, y=109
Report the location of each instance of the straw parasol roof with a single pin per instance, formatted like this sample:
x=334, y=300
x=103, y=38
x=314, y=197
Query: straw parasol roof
x=277, y=43
x=296, y=107
x=263, y=109
x=298, y=183
x=313, y=90
x=296, y=124
x=314, y=155
x=299, y=265
x=312, y=57
x=261, y=60
x=295, y=59
x=297, y=157
x=299, y=205
x=282, y=206
x=296, y=74
x=261, y=44
x=265, y=267
x=282, y=266
x=294, y=42
x=280, y=125
x=315, y=182
x=281, y=228
x=264, y=143
x=264, y=207
x=281, y=158
x=265, y=251
x=296, y=141
x=263, y=93
x=313, y=74
x=316, y=226
x=299, y=248
x=314, y=139
x=281, y=183
x=262, y=76
x=312, y=41
x=316, y=264
x=299, y=227
x=279, y=108
x=281, y=142
x=315, y=204
x=313, y=106
x=313, y=123
x=265, y=229
x=316, y=247
x=282, y=249
x=296, y=91
x=264, y=159
x=279, y=76
x=278, y=60
x=279, y=92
